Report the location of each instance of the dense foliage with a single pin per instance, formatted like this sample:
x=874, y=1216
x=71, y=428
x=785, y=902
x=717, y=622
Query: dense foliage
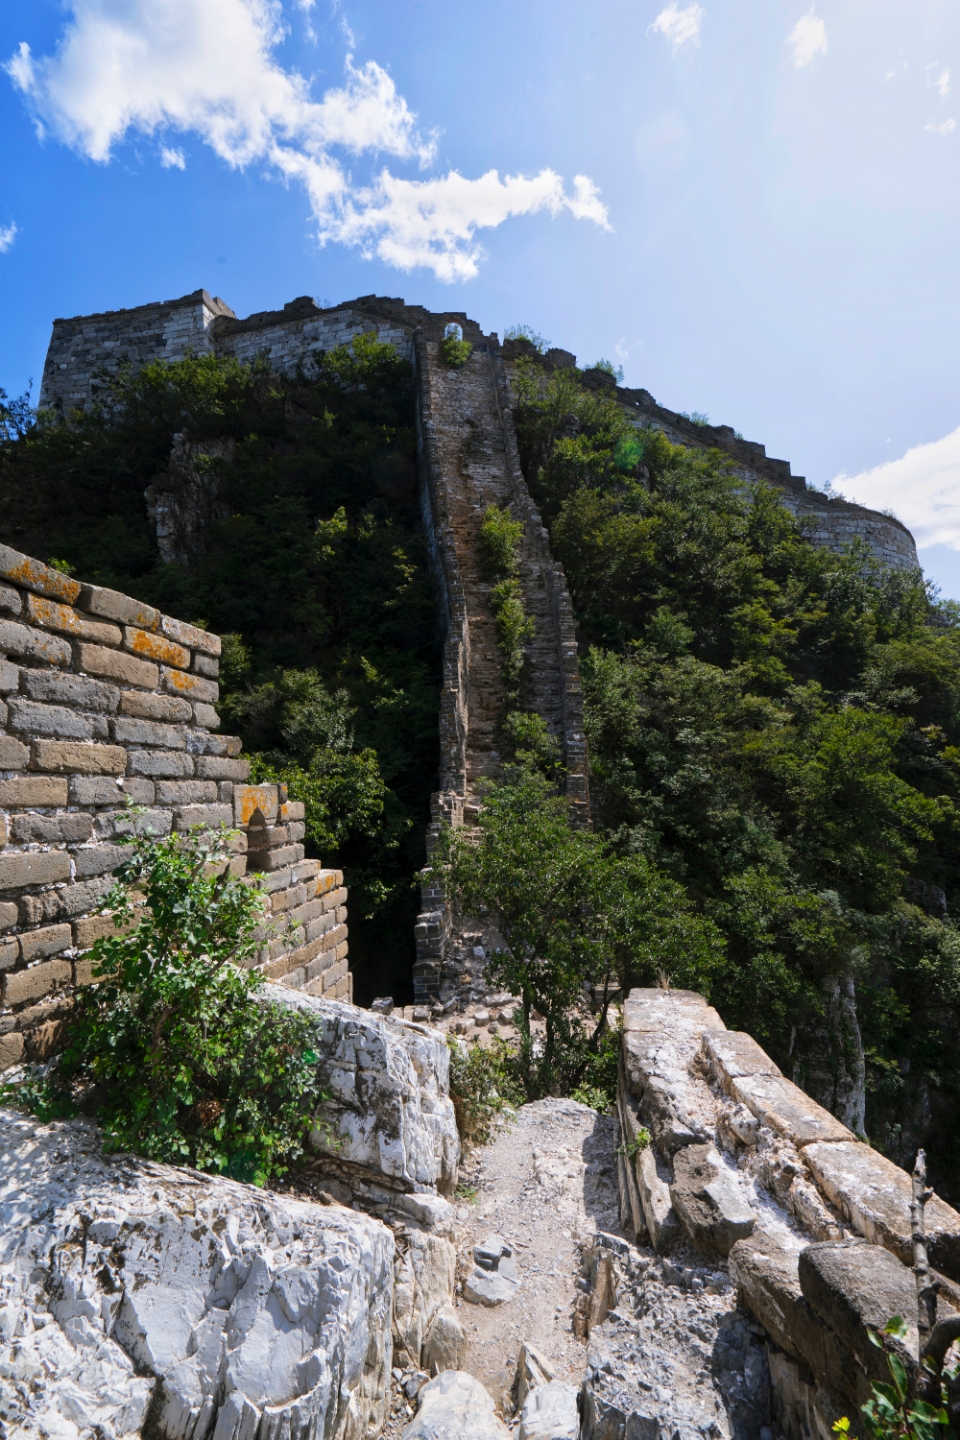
x=312, y=559
x=170, y=1046
x=776, y=728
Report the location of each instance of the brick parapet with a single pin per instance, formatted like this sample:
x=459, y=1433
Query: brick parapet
x=104, y=700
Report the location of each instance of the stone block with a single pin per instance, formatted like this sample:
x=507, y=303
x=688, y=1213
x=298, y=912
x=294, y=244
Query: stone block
x=248, y=799
x=201, y=742
x=94, y=927
x=70, y=829
x=333, y=899
x=190, y=635
x=111, y=605
x=13, y=754
x=783, y=1106
x=550, y=1413
x=34, y=575
x=765, y=1269
x=267, y=860
x=107, y=790
x=128, y=731
x=9, y=676
x=65, y=756
x=155, y=707
x=99, y=859
x=8, y=915
x=33, y=718
x=193, y=687
x=10, y=600
x=17, y=639
x=207, y=666
x=153, y=645
x=80, y=897
x=455, y=1406
x=292, y=810
x=51, y=940
x=206, y=716
x=9, y=953
x=221, y=767
x=332, y=976
x=33, y=868
x=22, y=985
x=342, y=951
x=210, y=817
x=53, y=616
x=111, y=823
x=873, y=1195
x=45, y=1039
x=160, y=763
x=187, y=792
x=731, y=1054
x=706, y=1196
x=33, y=790
x=117, y=665
x=323, y=925
x=11, y=1050
x=76, y=690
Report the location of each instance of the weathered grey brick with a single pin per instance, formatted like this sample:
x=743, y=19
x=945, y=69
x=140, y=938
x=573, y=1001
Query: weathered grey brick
x=274, y=859
x=155, y=707
x=104, y=790
x=8, y=914
x=34, y=718
x=37, y=944
x=22, y=985
x=111, y=605
x=206, y=716
x=297, y=830
x=34, y=575
x=17, y=639
x=207, y=666
x=10, y=600
x=201, y=742
x=9, y=953
x=33, y=829
x=11, y=1050
x=159, y=762
x=76, y=690
x=65, y=756
x=9, y=676
x=13, y=754
x=99, y=859
x=190, y=635
x=148, y=732
x=192, y=687
x=187, y=792
x=219, y=767
x=118, y=666
x=110, y=823
x=33, y=868
x=77, y=899
x=210, y=816
x=93, y=927
x=33, y=790
x=53, y=616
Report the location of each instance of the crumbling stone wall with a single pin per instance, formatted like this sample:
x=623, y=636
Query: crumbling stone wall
x=103, y=700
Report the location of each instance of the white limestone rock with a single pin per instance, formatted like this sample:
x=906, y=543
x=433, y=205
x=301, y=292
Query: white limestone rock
x=235, y=1313
x=494, y=1277
x=550, y=1413
x=455, y=1406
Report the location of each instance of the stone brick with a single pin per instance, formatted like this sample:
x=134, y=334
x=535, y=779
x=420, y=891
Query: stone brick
x=34, y=575
x=149, y=732
x=39, y=980
x=65, y=756
x=206, y=716
x=8, y=914
x=99, y=859
x=320, y=964
x=4, y=830
x=83, y=972
x=21, y=640
x=94, y=927
x=76, y=690
x=46, y=1039
x=34, y=718
x=151, y=646
x=194, y=687
x=274, y=859
x=11, y=1050
x=32, y=829
x=209, y=816
x=13, y=754
x=33, y=868
x=111, y=605
x=102, y=790
x=10, y=600
x=111, y=823
x=292, y=810
x=77, y=899
x=9, y=676
x=219, y=767
x=187, y=792
x=52, y=616
x=33, y=790
x=336, y=973
x=309, y=910
x=202, y=743
x=334, y=898
x=9, y=953
x=155, y=707
x=118, y=666
x=248, y=799
x=159, y=762
x=321, y=926
x=37, y=944
x=297, y=830
x=206, y=665
x=288, y=899
x=190, y=635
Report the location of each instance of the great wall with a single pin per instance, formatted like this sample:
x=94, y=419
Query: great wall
x=707, y=1263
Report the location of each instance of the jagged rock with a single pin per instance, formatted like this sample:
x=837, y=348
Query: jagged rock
x=127, y=1284
x=708, y=1199
x=550, y=1413
x=494, y=1277
x=658, y=1212
x=662, y=1040
x=454, y=1406
x=425, y=1278
x=533, y=1369
x=445, y=1341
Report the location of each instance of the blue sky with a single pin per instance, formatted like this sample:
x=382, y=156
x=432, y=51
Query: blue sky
x=753, y=207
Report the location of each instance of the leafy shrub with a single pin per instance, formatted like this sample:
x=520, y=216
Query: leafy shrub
x=171, y=1047
x=455, y=352
x=527, y=332
x=631, y=1148
x=608, y=368
x=483, y=1087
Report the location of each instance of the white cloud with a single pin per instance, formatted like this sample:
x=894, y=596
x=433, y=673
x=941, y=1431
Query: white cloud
x=680, y=27
x=808, y=38
x=8, y=233
x=942, y=84
x=943, y=128
x=172, y=159
x=922, y=488
x=207, y=67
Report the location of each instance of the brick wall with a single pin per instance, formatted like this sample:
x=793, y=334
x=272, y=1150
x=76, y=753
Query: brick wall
x=105, y=700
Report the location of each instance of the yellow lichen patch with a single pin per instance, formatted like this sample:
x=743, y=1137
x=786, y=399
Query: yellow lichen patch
x=157, y=647
x=250, y=798
x=58, y=617
x=34, y=575
x=186, y=684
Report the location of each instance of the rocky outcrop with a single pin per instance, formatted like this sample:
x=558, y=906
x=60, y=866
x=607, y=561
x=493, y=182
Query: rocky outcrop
x=132, y=1290
x=455, y=1406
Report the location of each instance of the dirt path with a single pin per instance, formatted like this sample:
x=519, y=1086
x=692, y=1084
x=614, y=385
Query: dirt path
x=546, y=1185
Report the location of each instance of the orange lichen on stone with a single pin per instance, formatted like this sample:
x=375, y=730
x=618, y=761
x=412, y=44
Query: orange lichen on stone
x=34, y=575
x=157, y=647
